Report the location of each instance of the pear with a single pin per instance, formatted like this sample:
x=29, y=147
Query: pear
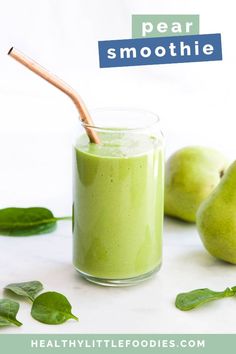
x=191, y=175
x=216, y=218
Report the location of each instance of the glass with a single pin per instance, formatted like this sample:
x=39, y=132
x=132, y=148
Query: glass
x=118, y=198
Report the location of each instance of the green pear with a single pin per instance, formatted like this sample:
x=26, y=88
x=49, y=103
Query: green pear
x=216, y=218
x=191, y=175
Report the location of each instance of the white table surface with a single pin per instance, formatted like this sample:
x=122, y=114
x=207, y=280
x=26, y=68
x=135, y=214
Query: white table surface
x=36, y=170
x=145, y=308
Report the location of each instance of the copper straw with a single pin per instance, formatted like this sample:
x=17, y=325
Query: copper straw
x=61, y=85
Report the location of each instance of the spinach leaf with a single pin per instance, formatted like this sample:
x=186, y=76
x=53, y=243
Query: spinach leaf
x=195, y=298
x=52, y=308
x=27, y=221
x=27, y=289
x=8, y=312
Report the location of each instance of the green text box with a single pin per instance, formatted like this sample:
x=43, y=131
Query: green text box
x=164, y=25
x=117, y=343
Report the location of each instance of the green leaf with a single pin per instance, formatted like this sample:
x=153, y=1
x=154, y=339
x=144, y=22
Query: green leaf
x=26, y=221
x=195, y=298
x=52, y=308
x=27, y=289
x=8, y=312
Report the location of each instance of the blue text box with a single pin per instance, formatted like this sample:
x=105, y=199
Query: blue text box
x=164, y=50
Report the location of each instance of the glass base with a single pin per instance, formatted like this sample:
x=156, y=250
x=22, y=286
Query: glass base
x=119, y=282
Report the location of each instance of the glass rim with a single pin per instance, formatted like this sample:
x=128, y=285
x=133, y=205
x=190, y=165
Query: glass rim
x=150, y=125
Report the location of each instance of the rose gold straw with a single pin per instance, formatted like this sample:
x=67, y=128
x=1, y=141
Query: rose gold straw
x=61, y=85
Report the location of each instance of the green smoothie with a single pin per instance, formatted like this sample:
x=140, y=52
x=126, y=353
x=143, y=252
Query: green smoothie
x=118, y=206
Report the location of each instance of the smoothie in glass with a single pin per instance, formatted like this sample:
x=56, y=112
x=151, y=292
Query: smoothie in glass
x=118, y=206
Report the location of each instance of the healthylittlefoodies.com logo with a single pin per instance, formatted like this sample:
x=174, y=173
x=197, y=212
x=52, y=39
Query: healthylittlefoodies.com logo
x=118, y=343
x=161, y=39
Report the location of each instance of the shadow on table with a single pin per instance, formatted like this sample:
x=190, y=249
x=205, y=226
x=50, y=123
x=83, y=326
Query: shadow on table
x=174, y=224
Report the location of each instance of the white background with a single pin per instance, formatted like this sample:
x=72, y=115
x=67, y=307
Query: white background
x=196, y=104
